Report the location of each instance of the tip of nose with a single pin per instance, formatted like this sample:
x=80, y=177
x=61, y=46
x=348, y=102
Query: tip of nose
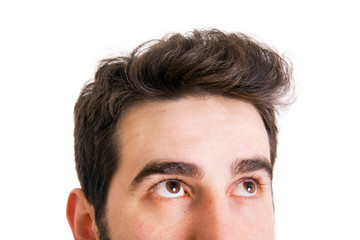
x=214, y=221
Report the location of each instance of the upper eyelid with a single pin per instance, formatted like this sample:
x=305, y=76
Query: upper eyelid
x=259, y=177
x=255, y=180
x=188, y=191
x=167, y=168
x=164, y=180
x=258, y=181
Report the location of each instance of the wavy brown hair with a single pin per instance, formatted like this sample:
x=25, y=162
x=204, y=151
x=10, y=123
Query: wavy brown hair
x=200, y=62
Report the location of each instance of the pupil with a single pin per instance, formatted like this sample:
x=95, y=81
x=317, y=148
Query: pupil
x=173, y=187
x=249, y=187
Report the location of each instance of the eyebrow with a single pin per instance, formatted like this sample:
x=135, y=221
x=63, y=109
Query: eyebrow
x=241, y=166
x=169, y=168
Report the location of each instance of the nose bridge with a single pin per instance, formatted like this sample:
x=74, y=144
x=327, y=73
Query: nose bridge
x=214, y=218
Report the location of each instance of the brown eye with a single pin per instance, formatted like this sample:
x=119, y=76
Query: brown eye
x=169, y=189
x=246, y=188
x=249, y=186
x=173, y=186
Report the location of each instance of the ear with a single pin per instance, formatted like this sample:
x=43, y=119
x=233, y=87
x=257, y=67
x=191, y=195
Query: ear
x=81, y=216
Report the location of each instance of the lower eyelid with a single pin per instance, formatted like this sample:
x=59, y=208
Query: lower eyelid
x=161, y=198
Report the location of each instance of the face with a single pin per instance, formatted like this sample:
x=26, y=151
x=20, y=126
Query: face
x=195, y=168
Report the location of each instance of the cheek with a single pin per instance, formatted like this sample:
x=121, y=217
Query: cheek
x=259, y=220
x=149, y=228
x=167, y=215
x=254, y=218
x=152, y=228
x=148, y=219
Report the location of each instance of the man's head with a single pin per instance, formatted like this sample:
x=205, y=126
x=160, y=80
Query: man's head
x=178, y=141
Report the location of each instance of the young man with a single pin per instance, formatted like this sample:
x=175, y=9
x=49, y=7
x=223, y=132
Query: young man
x=178, y=141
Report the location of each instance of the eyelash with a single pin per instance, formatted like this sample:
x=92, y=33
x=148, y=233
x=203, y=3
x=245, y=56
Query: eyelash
x=163, y=179
x=257, y=180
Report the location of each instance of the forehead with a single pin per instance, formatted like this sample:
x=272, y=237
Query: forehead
x=193, y=128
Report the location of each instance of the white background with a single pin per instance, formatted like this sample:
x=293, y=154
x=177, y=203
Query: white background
x=49, y=49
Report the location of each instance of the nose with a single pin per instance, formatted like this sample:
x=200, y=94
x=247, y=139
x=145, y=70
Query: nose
x=215, y=219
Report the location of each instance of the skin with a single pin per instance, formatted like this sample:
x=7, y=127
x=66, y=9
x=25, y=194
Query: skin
x=211, y=134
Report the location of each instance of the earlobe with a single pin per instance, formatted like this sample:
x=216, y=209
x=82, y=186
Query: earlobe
x=80, y=215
